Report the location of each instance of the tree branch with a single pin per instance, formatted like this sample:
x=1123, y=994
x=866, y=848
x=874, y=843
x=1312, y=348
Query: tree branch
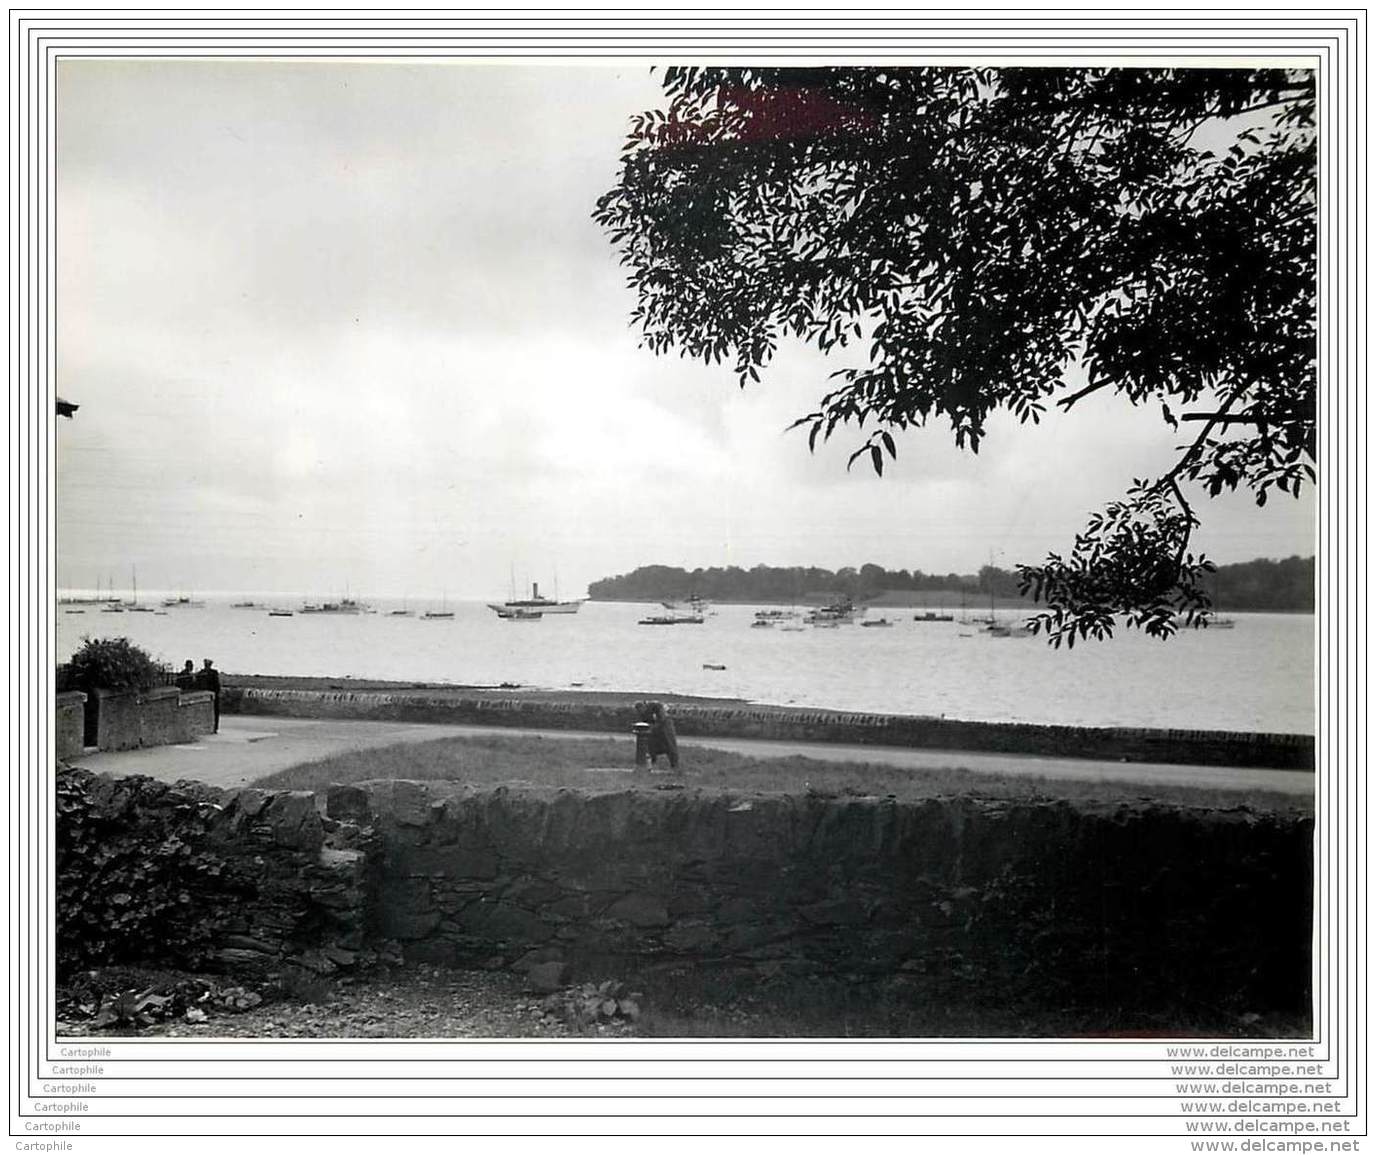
x=1269, y=104
x=1190, y=522
x=1183, y=137
x=1224, y=418
x=1066, y=402
x=1193, y=451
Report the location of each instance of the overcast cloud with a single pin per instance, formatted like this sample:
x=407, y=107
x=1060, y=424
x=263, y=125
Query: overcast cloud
x=352, y=324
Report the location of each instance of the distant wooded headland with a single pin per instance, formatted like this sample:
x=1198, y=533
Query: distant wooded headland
x=1261, y=585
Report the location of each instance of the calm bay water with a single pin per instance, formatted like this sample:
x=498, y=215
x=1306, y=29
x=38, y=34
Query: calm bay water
x=1257, y=676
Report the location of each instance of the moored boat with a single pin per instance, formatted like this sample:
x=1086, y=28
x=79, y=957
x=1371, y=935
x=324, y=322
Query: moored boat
x=838, y=612
x=444, y=613
x=1181, y=622
x=1009, y=630
x=672, y=620
x=536, y=603
x=343, y=606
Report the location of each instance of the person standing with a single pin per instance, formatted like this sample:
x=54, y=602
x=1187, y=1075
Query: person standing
x=209, y=679
x=186, y=679
x=663, y=739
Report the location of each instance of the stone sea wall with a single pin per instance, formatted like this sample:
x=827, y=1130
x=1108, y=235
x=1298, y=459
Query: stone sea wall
x=1192, y=747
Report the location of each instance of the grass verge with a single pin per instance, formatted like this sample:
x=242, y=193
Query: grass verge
x=591, y=764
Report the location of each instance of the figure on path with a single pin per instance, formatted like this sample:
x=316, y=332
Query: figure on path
x=663, y=739
x=209, y=679
x=186, y=677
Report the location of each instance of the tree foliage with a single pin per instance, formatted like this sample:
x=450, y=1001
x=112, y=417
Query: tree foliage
x=1263, y=584
x=974, y=240
x=109, y=664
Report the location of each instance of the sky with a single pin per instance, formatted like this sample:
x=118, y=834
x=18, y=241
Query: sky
x=350, y=327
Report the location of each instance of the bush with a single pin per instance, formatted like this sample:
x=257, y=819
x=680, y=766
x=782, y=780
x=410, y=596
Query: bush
x=109, y=664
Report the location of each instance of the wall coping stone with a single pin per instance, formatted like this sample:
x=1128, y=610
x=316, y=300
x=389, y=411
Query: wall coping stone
x=102, y=693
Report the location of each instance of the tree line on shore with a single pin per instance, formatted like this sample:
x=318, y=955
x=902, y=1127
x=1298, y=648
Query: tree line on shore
x=1262, y=584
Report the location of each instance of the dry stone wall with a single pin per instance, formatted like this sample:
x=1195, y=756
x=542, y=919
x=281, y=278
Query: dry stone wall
x=246, y=882
x=1153, y=912
x=1050, y=904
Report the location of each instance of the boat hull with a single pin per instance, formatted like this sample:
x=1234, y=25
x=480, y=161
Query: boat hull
x=536, y=606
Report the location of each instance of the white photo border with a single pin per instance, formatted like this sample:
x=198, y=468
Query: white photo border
x=535, y=1073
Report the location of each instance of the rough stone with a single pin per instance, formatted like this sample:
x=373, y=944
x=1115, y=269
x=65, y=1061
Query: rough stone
x=401, y=801
x=412, y=804
x=574, y=906
x=689, y=938
x=532, y=893
x=237, y=957
x=334, y=859
x=340, y=956
x=435, y=951
x=747, y=936
x=250, y=802
x=547, y=976
x=640, y=910
x=314, y=961
x=503, y=922
x=243, y=942
x=538, y=955
x=840, y=912
x=294, y=821
x=405, y=924
x=451, y=899
x=348, y=803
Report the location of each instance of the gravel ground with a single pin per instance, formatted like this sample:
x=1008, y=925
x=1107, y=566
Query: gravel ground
x=409, y=1002
x=416, y=1001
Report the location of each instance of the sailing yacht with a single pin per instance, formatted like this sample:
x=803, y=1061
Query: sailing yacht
x=443, y=612
x=133, y=605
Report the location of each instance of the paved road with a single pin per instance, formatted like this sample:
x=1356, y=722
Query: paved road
x=249, y=747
